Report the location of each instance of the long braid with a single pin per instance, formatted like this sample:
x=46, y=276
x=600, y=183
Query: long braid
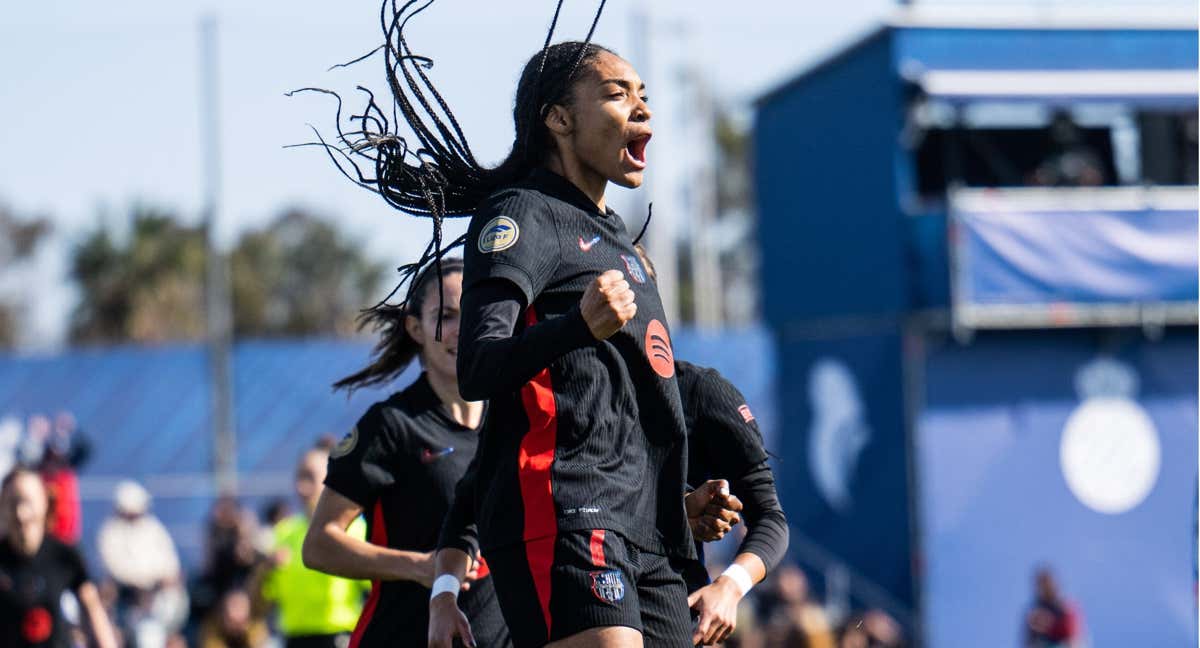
x=438, y=176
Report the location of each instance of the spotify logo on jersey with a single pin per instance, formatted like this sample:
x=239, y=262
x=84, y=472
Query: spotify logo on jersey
x=658, y=349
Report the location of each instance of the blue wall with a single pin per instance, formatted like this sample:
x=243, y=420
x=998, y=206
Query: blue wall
x=995, y=503
x=831, y=236
x=842, y=474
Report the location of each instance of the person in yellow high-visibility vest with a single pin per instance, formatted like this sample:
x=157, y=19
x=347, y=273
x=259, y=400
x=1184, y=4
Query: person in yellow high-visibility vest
x=316, y=610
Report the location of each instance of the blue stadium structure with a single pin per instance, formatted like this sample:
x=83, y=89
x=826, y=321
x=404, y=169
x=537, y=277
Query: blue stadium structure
x=146, y=413
x=980, y=269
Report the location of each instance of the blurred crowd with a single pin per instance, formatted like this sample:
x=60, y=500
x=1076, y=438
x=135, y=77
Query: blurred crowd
x=252, y=590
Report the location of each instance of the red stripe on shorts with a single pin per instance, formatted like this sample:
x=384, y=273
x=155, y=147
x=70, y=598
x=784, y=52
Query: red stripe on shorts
x=597, y=547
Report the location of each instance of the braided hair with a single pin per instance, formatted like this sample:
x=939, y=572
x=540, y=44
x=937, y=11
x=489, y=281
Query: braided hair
x=396, y=349
x=437, y=175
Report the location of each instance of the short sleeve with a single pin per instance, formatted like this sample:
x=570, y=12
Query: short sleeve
x=727, y=425
x=361, y=464
x=75, y=566
x=513, y=236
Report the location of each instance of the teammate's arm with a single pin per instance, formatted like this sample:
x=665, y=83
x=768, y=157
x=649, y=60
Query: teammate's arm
x=97, y=619
x=329, y=548
x=446, y=621
x=763, y=548
x=726, y=425
x=458, y=543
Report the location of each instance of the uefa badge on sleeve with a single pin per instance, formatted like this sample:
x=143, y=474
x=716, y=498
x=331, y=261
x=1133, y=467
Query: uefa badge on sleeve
x=500, y=233
x=608, y=585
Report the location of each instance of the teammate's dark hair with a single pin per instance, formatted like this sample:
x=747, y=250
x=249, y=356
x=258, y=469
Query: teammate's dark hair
x=438, y=176
x=15, y=474
x=396, y=348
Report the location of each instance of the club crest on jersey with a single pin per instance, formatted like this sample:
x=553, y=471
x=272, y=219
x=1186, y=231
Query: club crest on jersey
x=608, y=585
x=635, y=269
x=346, y=445
x=500, y=233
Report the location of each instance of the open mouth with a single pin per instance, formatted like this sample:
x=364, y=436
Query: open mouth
x=636, y=149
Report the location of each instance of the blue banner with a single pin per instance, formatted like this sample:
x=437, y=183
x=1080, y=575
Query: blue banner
x=842, y=471
x=1066, y=454
x=1021, y=253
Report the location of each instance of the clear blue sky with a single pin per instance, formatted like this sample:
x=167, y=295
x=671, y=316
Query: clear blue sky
x=98, y=108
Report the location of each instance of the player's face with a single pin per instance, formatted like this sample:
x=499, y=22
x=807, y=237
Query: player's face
x=24, y=513
x=310, y=477
x=440, y=357
x=611, y=121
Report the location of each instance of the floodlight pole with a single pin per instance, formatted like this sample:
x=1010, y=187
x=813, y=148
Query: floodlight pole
x=660, y=240
x=217, y=307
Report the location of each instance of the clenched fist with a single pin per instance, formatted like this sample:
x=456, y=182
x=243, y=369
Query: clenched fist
x=607, y=304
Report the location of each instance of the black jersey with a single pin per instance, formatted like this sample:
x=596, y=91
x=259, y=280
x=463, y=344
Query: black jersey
x=31, y=590
x=581, y=434
x=400, y=464
x=724, y=443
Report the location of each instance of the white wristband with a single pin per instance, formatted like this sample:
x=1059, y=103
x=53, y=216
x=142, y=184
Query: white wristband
x=740, y=577
x=445, y=583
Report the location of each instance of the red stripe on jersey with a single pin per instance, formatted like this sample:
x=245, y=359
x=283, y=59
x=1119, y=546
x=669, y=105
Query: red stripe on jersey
x=597, y=547
x=534, y=459
x=378, y=537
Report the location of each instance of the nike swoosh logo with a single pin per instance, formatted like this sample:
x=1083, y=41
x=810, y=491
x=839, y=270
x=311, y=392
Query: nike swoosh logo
x=428, y=456
x=588, y=246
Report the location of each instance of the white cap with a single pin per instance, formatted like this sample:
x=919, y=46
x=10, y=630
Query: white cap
x=130, y=498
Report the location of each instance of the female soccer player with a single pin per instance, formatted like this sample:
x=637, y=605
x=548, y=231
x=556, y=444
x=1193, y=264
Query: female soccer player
x=582, y=458
x=36, y=570
x=399, y=465
x=583, y=448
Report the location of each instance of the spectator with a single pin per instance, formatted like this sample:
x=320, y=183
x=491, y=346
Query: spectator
x=232, y=623
x=316, y=610
x=1052, y=621
x=230, y=546
x=1073, y=163
x=796, y=621
x=140, y=556
x=274, y=512
x=36, y=570
x=65, y=451
x=873, y=629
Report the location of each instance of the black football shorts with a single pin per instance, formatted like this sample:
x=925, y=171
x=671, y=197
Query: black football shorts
x=558, y=586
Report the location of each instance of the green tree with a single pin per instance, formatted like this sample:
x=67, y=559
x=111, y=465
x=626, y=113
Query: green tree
x=299, y=276
x=296, y=276
x=148, y=288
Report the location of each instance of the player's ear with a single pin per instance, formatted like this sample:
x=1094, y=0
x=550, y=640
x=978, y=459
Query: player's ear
x=412, y=326
x=559, y=120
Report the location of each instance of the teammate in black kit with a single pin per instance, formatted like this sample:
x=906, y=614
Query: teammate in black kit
x=724, y=442
x=398, y=466
x=36, y=570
